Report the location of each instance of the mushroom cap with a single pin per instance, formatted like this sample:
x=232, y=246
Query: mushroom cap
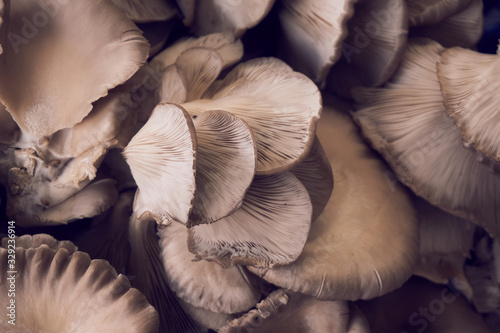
x=162, y=158
x=228, y=16
x=172, y=87
x=269, y=229
x=428, y=12
x=365, y=242
x=226, y=160
x=280, y=105
x=313, y=32
x=422, y=144
x=67, y=57
x=203, y=284
x=374, y=47
x=48, y=282
x=469, y=85
x=463, y=28
x=147, y=10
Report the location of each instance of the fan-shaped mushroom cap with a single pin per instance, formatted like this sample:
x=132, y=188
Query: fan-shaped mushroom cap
x=226, y=160
x=60, y=292
x=313, y=34
x=52, y=74
x=201, y=283
x=162, y=157
x=147, y=10
x=229, y=16
x=315, y=173
x=423, y=145
x=269, y=229
x=464, y=28
x=35, y=241
x=280, y=105
x=469, y=84
x=229, y=48
x=365, y=243
x=374, y=47
x=172, y=88
x=427, y=12
x=285, y=311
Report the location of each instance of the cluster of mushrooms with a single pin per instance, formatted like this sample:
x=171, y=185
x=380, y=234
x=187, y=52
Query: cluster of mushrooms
x=248, y=166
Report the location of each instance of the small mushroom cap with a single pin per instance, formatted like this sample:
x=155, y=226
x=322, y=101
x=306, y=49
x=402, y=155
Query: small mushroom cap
x=228, y=16
x=162, y=159
x=374, y=47
x=469, y=85
x=365, y=242
x=428, y=12
x=423, y=145
x=226, y=160
x=52, y=74
x=147, y=10
x=269, y=229
x=464, y=28
x=229, y=48
x=201, y=283
x=48, y=282
x=280, y=105
x=315, y=173
x=313, y=34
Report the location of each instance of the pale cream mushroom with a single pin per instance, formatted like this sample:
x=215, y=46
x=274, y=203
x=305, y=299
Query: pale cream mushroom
x=365, y=242
x=228, y=16
x=469, y=87
x=93, y=48
x=147, y=10
x=226, y=160
x=73, y=294
x=427, y=12
x=422, y=144
x=280, y=105
x=373, y=48
x=203, y=284
x=269, y=229
x=313, y=34
x=162, y=158
x=463, y=28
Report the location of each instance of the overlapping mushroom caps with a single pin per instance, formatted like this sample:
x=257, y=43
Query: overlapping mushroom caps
x=423, y=145
x=64, y=130
x=365, y=242
x=59, y=289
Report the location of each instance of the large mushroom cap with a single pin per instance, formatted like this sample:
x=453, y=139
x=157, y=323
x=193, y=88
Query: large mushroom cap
x=365, y=243
x=62, y=56
x=269, y=229
x=56, y=291
x=162, y=160
x=469, y=84
x=423, y=145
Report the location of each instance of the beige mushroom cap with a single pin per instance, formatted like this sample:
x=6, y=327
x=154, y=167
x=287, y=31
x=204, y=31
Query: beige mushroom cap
x=201, y=283
x=62, y=56
x=61, y=292
x=365, y=243
x=162, y=158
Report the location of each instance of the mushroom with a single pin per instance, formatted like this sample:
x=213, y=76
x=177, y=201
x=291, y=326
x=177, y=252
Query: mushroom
x=162, y=159
x=313, y=32
x=428, y=12
x=93, y=48
x=226, y=160
x=463, y=28
x=203, y=284
x=469, y=86
x=423, y=145
x=142, y=11
x=365, y=242
x=37, y=240
x=373, y=48
x=105, y=300
x=280, y=105
x=269, y=229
